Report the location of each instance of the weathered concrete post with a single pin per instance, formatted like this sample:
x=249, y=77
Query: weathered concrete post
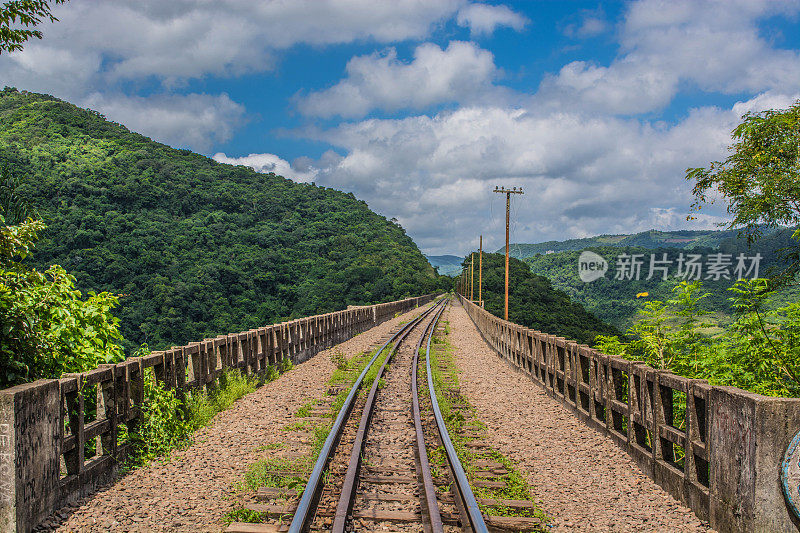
x=749, y=434
x=29, y=453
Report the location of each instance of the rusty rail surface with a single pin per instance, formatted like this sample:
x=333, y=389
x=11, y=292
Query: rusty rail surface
x=304, y=513
x=462, y=486
x=53, y=452
x=348, y=493
x=431, y=502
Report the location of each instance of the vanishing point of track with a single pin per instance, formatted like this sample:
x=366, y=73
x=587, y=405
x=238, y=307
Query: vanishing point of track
x=373, y=472
x=387, y=480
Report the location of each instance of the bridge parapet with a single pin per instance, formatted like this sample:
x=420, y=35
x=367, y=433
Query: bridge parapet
x=718, y=450
x=53, y=452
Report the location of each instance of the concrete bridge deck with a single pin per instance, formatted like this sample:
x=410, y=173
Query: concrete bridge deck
x=582, y=480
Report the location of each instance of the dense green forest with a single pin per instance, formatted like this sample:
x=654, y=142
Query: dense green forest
x=194, y=248
x=615, y=301
x=533, y=302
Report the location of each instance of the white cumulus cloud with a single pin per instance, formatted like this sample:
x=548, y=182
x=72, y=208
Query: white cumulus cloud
x=268, y=163
x=193, y=121
x=713, y=45
x=458, y=73
x=583, y=174
x=483, y=19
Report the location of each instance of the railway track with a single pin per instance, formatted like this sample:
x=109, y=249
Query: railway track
x=373, y=471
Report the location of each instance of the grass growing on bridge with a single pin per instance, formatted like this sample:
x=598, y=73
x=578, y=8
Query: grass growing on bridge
x=461, y=421
x=292, y=472
x=169, y=422
x=233, y=385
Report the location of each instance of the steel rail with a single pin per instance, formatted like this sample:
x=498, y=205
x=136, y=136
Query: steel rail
x=311, y=492
x=471, y=505
x=431, y=502
x=347, y=495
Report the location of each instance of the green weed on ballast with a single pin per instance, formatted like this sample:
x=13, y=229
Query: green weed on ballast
x=297, y=426
x=240, y=514
x=202, y=407
x=339, y=359
x=285, y=365
x=453, y=406
x=281, y=472
x=305, y=409
x=287, y=472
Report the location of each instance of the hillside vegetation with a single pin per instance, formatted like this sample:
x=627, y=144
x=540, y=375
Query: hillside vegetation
x=616, y=302
x=194, y=248
x=534, y=303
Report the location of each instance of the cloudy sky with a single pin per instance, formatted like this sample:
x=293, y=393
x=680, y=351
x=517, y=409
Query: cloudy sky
x=421, y=107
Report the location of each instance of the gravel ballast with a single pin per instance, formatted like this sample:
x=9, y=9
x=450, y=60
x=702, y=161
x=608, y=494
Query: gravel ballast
x=583, y=481
x=196, y=487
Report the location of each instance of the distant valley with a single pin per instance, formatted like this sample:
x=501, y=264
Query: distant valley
x=651, y=239
x=616, y=302
x=446, y=265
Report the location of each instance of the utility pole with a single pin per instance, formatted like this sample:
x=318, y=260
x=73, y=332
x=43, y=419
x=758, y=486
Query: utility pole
x=471, y=276
x=480, y=274
x=508, y=193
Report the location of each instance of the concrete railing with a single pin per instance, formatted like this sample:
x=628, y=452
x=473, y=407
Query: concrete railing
x=718, y=450
x=45, y=462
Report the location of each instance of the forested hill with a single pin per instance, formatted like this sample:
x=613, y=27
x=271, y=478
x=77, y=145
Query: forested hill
x=196, y=248
x=616, y=302
x=533, y=302
x=652, y=239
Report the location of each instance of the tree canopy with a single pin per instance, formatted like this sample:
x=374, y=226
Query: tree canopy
x=18, y=19
x=191, y=247
x=533, y=302
x=760, y=179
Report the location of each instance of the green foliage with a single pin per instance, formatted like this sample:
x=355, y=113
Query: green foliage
x=667, y=332
x=285, y=365
x=240, y=514
x=615, y=301
x=168, y=423
x=534, y=303
x=46, y=327
x=759, y=351
x=196, y=248
x=163, y=425
x=759, y=178
x=763, y=346
x=25, y=13
x=13, y=207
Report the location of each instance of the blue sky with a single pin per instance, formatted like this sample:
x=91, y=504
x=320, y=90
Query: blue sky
x=421, y=107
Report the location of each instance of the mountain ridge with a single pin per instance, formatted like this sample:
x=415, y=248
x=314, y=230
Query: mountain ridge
x=651, y=239
x=195, y=247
